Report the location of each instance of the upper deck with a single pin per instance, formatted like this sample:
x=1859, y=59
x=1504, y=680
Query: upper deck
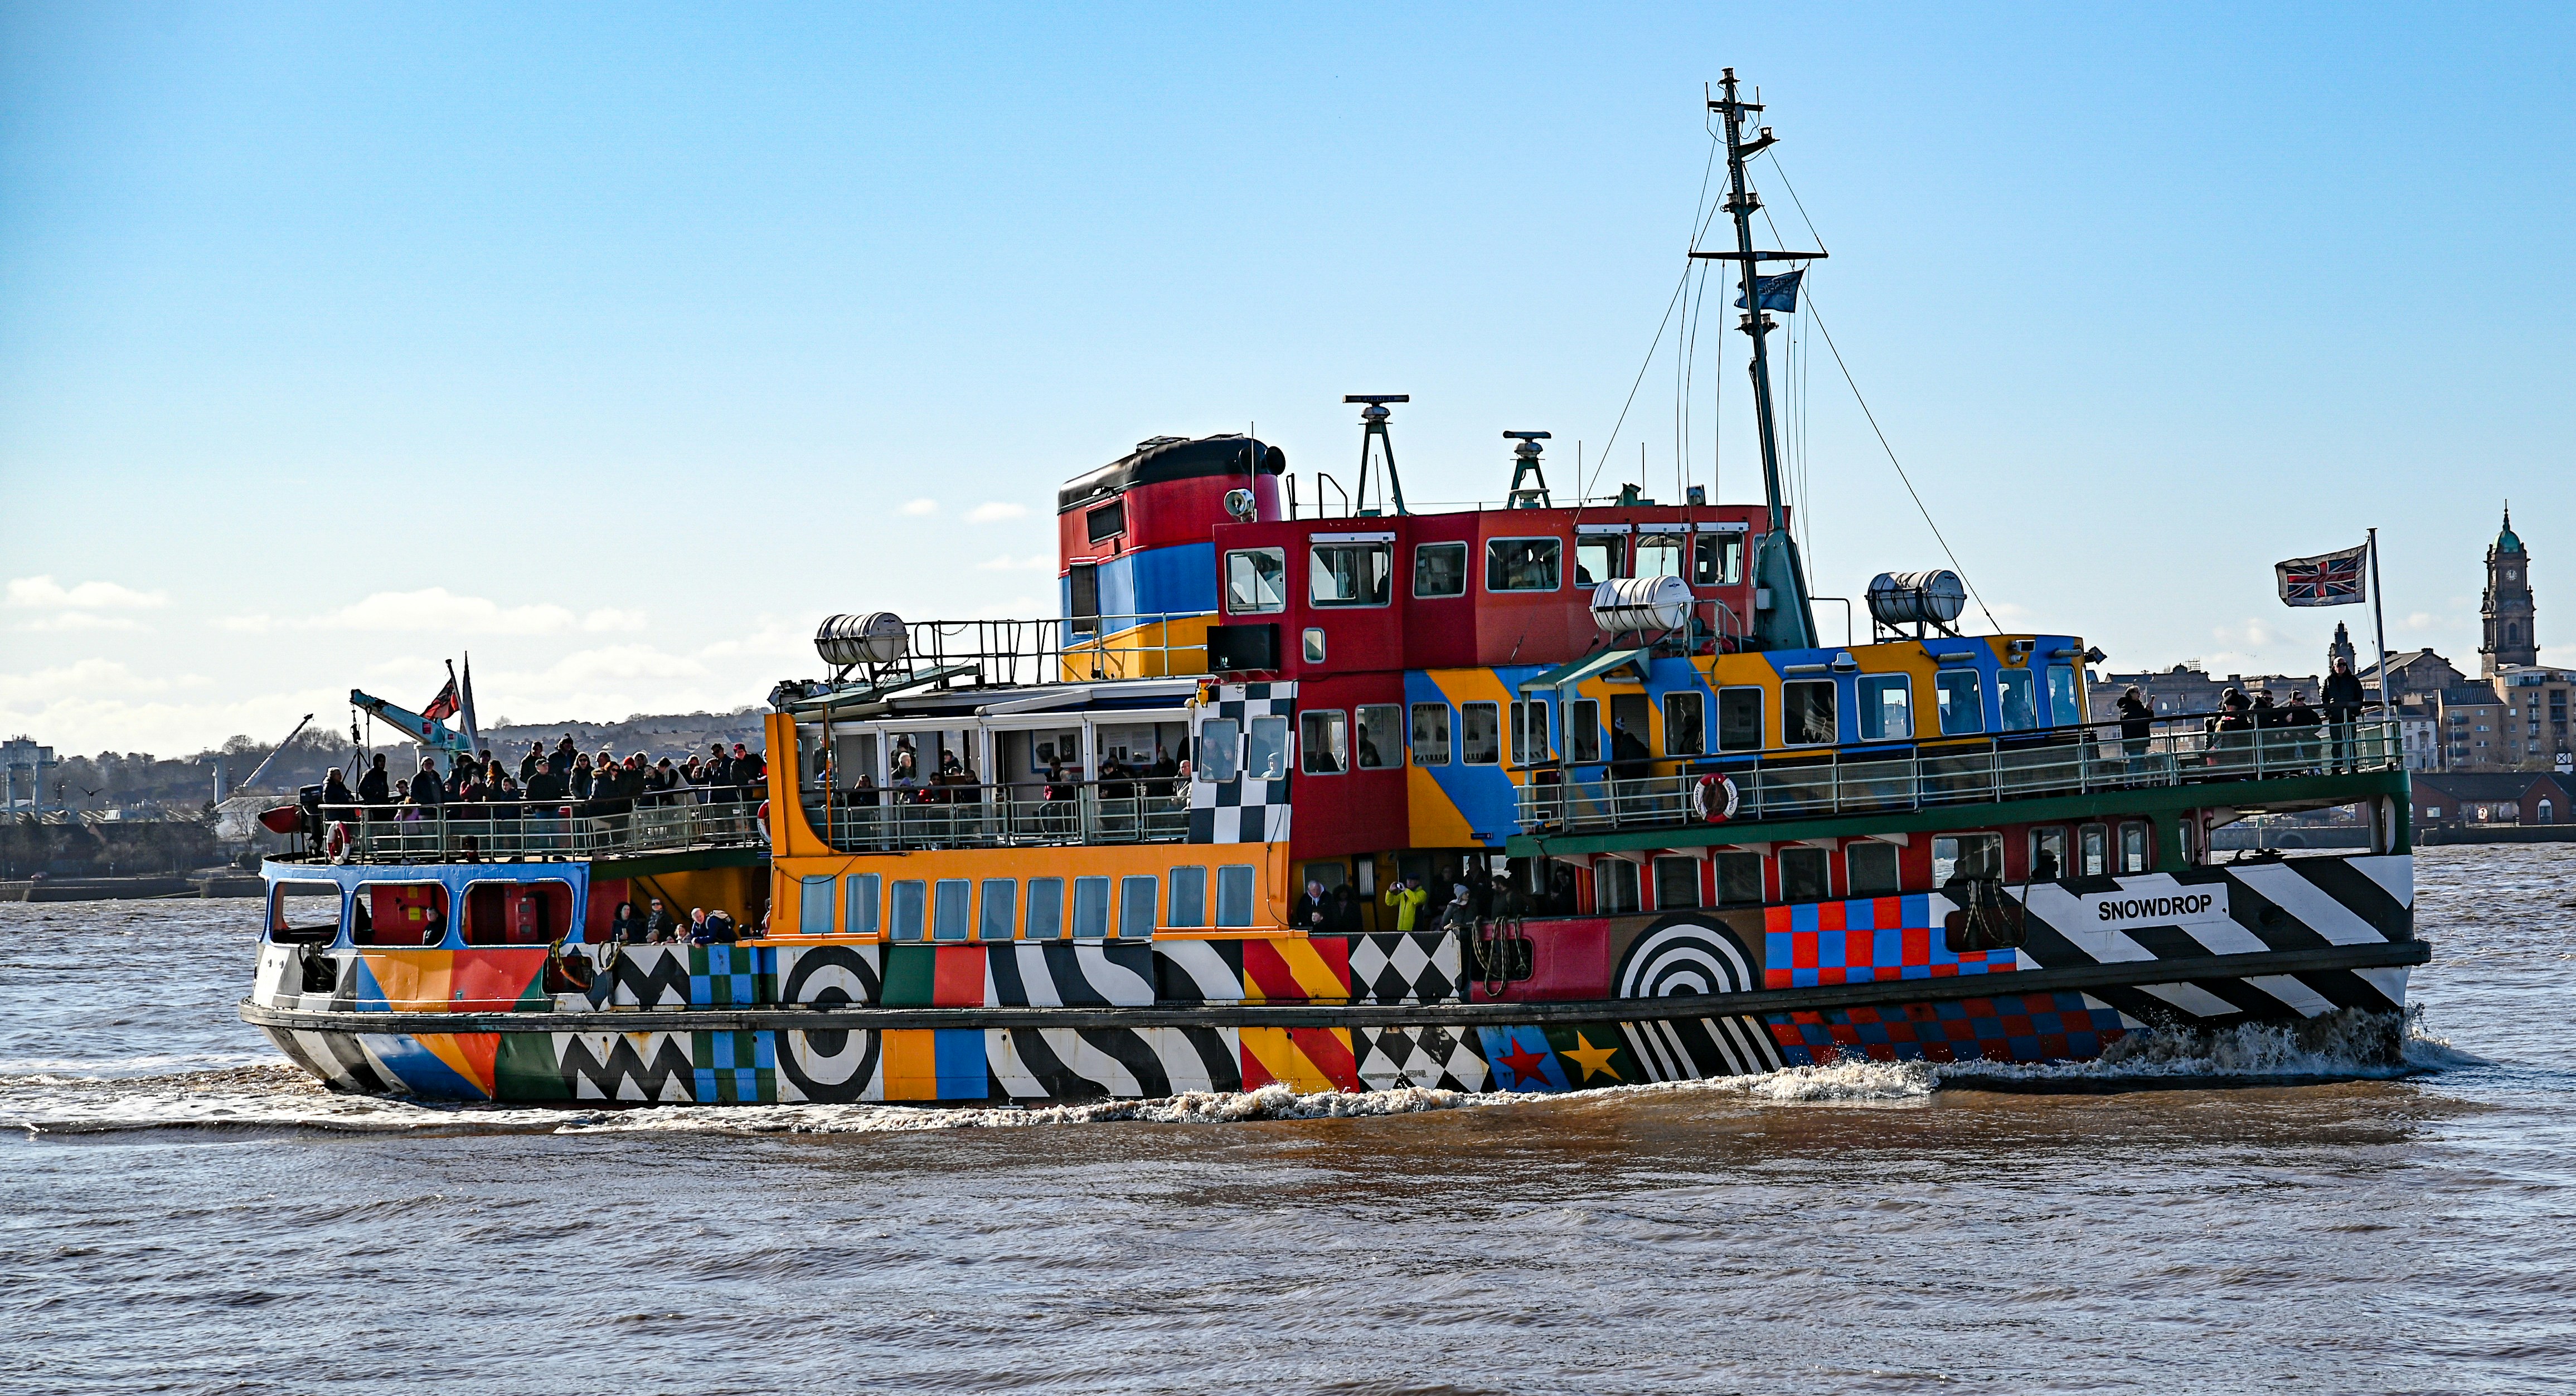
x=522, y=832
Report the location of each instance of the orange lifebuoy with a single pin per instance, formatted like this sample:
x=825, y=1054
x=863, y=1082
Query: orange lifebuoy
x=1713, y=798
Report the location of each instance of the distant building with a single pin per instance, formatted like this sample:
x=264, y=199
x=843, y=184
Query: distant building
x=2453, y=799
x=2506, y=607
x=2412, y=673
x=23, y=768
x=2186, y=688
x=2472, y=729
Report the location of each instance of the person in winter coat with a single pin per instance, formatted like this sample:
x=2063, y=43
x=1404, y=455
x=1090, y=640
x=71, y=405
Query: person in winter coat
x=2342, y=699
x=376, y=786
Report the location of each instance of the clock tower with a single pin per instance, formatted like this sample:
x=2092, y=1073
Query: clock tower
x=2507, y=605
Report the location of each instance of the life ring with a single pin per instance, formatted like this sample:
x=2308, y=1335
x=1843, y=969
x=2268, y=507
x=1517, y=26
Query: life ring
x=1713, y=798
x=337, y=846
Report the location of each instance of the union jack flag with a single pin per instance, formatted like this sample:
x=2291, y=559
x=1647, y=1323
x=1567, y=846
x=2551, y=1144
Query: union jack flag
x=2328, y=579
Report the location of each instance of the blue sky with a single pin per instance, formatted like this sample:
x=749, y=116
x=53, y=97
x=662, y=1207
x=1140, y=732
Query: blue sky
x=620, y=344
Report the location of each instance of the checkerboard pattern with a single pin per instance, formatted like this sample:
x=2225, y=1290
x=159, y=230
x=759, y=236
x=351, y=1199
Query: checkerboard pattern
x=2017, y=1028
x=1431, y=1058
x=734, y=1068
x=1242, y=810
x=723, y=976
x=1404, y=968
x=1866, y=939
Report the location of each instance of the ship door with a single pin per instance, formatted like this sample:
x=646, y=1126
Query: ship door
x=1628, y=720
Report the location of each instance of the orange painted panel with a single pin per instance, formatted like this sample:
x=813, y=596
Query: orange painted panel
x=911, y=1063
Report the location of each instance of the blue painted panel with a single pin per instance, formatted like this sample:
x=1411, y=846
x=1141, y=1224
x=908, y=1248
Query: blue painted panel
x=1152, y=581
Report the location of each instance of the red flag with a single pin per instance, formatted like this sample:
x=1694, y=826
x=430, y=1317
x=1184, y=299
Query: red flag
x=442, y=706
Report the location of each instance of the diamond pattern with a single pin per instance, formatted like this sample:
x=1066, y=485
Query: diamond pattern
x=1432, y=1058
x=1404, y=968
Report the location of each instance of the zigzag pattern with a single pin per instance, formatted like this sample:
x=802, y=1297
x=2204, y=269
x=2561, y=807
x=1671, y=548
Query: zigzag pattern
x=610, y=1066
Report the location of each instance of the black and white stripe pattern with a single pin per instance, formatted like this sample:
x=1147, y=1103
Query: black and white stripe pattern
x=1242, y=810
x=1069, y=976
x=827, y=976
x=1117, y=1063
x=1693, y=1049
x=1684, y=955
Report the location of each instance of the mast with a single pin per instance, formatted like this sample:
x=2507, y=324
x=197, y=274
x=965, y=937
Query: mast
x=1789, y=621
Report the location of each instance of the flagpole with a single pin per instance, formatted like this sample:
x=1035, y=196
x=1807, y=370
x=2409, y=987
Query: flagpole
x=2378, y=624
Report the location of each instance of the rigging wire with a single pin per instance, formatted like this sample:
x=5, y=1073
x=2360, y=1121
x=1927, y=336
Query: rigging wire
x=1583, y=487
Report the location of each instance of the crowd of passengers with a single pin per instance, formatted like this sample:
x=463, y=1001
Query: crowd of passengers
x=564, y=780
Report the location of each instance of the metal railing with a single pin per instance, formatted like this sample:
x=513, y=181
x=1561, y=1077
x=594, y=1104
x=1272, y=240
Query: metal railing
x=1013, y=652
x=1137, y=809
x=1884, y=777
x=539, y=830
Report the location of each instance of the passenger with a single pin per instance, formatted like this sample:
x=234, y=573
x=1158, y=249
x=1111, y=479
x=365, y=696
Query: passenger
x=563, y=758
x=1164, y=769
x=584, y=780
x=1312, y=909
x=1408, y=898
x=717, y=929
x=375, y=788
x=719, y=769
x=1629, y=759
x=531, y=763
x=1343, y=916
x=337, y=802
x=750, y=771
x=505, y=811
x=425, y=789
x=2043, y=866
x=2137, y=724
x=2301, y=722
x=905, y=768
x=697, y=928
x=659, y=928
x=1460, y=914
x=433, y=928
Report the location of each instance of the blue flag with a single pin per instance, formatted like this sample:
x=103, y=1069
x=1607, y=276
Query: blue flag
x=1775, y=292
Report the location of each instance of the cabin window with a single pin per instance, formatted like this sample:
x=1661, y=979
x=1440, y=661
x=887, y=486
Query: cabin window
x=1676, y=884
x=1106, y=522
x=1739, y=878
x=1234, y=888
x=948, y=908
x=1431, y=734
x=1962, y=708
x=1523, y=564
x=2133, y=848
x=1189, y=897
x=859, y=904
x=911, y=899
x=1869, y=869
x=305, y=913
x=2092, y=851
x=1314, y=644
x=1597, y=558
x=1046, y=908
x=1480, y=734
x=517, y=913
x=1614, y=887
x=1349, y=574
x=2048, y=853
x=1717, y=560
x=1658, y=555
x=1266, y=755
x=1381, y=736
x=2062, y=710
x=814, y=906
x=1001, y=909
x=1256, y=580
x=1220, y=747
x=1139, y=906
x=1529, y=732
x=1739, y=719
x=1082, y=596
x=1090, y=908
x=1805, y=875
x=1958, y=857
x=1324, y=738
x=1807, y=713
x=1685, y=732
x=399, y=913
x=2013, y=692
x=1439, y=570
x=1886, y=708
x=1583, y=730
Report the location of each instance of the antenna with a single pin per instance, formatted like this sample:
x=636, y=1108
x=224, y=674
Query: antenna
x=1525, y=466
x=1373, y=420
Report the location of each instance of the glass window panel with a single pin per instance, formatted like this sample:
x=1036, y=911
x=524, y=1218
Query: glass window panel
x=1046, y=908
x=1869, y=869
x=1658, y=555
x=1583, y=730
x=1090, y=908
x=814, y=905
x=1349, y=574
x=911, y=899
x=1381, y=736
x=1001, y=910
x=1234, y=885
x=1807, y=713
x=1256, y=580
x=1189, y=897
x=1717, y=560
x=2048, y=853
x=1440, y=569
x=1967, y=856
x=948, y=907
x=2013, y=690
x=859, y=912
x=1803, y=873
x=1676, y=884
x=1596, y=558
x=1963, y=710
x=1739, y=719
x=2062, y=709
x=2133, y=848
x=1523, y=564
x=1480, y=734
x=1684, y=730
x=1739, y=879
x=2092, y=851
x=1529, y=732
x=1138, y=905
x=1314, y=643
x=1107, y=521
x=1431, y=734
x=1323, y=739
x=1886, y=708
x=1266, y=755
x=1220, y=746
x=1614, y=887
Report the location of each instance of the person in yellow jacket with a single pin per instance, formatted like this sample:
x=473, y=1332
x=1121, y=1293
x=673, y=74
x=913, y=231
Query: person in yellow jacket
x=1408, y=898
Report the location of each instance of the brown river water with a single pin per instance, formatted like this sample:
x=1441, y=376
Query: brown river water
x=182, y=1211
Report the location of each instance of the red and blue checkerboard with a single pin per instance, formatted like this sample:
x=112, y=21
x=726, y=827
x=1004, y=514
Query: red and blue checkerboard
x=2012, y=1028
x=1865, y=939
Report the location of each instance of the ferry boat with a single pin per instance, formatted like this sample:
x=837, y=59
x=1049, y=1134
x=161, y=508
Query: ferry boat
x=1539, y=796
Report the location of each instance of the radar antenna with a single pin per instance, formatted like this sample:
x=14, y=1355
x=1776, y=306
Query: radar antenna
x=1525, y=467
x=1373, y=419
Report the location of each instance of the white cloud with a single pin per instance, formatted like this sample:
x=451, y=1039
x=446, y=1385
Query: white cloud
x=44, y=593
x=995, y=511
x=432, y=608
x=82, y=620
x=1007, y=563
x=921, y=507
x=610, y=618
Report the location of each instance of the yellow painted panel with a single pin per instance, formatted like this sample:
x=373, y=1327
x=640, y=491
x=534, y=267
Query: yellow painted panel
x=414, y=981
x=911, y=1064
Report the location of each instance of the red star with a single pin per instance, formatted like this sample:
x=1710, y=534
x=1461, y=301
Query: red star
x=1525, y=1065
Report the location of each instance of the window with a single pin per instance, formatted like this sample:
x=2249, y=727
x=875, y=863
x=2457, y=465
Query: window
x=1962, y=708
x=1739, y=879
x=1596, y=558
x=859, y=897
x=1522, y=564
x=1614, y=887
x=814, y=906
x=1717, y=560
x=1001, y=910
x=1480, y=733
x=1325, y=740
x=2133, y=848
x=1807, y=713
x=1138, y=908
x=1529, y=732
x=1349, y=574
x=910, y=899
x=2048, y=853
x=1106, y=522
x=1804, y=875
x=1381, y=736
x=1967, y=856
x=1676, y=884
x=2092, y=851
x=1440, y=569
x=1220, y=744
x=1869, y=869
x=1658, y=555
x=1256, y=580
x=1886, y=708
x=1090, y=908
x=1739, y=719
x=1234, y=887
x=1431, y=734
x=2013, y=693
x=1046, y=908
x=1583, y=730
x=1314, y=644
x=948, y=908
x=308, y=913
x=1189, y=896
x=2061, y=696
x=1684, y=732
x=1266, y=755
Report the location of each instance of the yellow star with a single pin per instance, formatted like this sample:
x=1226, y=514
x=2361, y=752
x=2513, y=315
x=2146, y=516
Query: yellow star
x=1594, y=1060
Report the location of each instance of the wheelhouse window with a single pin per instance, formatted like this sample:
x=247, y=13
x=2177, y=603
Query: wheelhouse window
x=1431, y=734
x=1739, y=719
x=1523, y=564
x=1381, y=736
x=1220, y=748
x=1323, y=738
x=2062, y=707
x=1685, y=727
x=1529, y=732
x=2013, y=694
x=1962, y=707
x=1886, y=708
x=1266, y=754
x=1597, y=558
x=1658, y=554
x=1480, y=734
x=1256, y=580
x=1869, y=869
x=1717, y=560
x=1349, y=574
x=1807, y=713
x=2092, y=851
x=1614, y=887
x=1583, y=730
x=1440, y=570
x=1804, y=874
x=1676, y=884
x=1106, y=522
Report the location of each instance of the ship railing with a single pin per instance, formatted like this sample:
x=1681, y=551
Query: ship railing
x=1064, y=649
x=1884, y=777
x=1138, y=809
x=486, y=831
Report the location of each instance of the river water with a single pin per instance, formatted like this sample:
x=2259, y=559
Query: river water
x=182, y=1211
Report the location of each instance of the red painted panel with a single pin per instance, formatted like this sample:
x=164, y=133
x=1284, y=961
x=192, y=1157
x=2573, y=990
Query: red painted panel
x=1568, y=960
x=1357, y=811
x=957, y=977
